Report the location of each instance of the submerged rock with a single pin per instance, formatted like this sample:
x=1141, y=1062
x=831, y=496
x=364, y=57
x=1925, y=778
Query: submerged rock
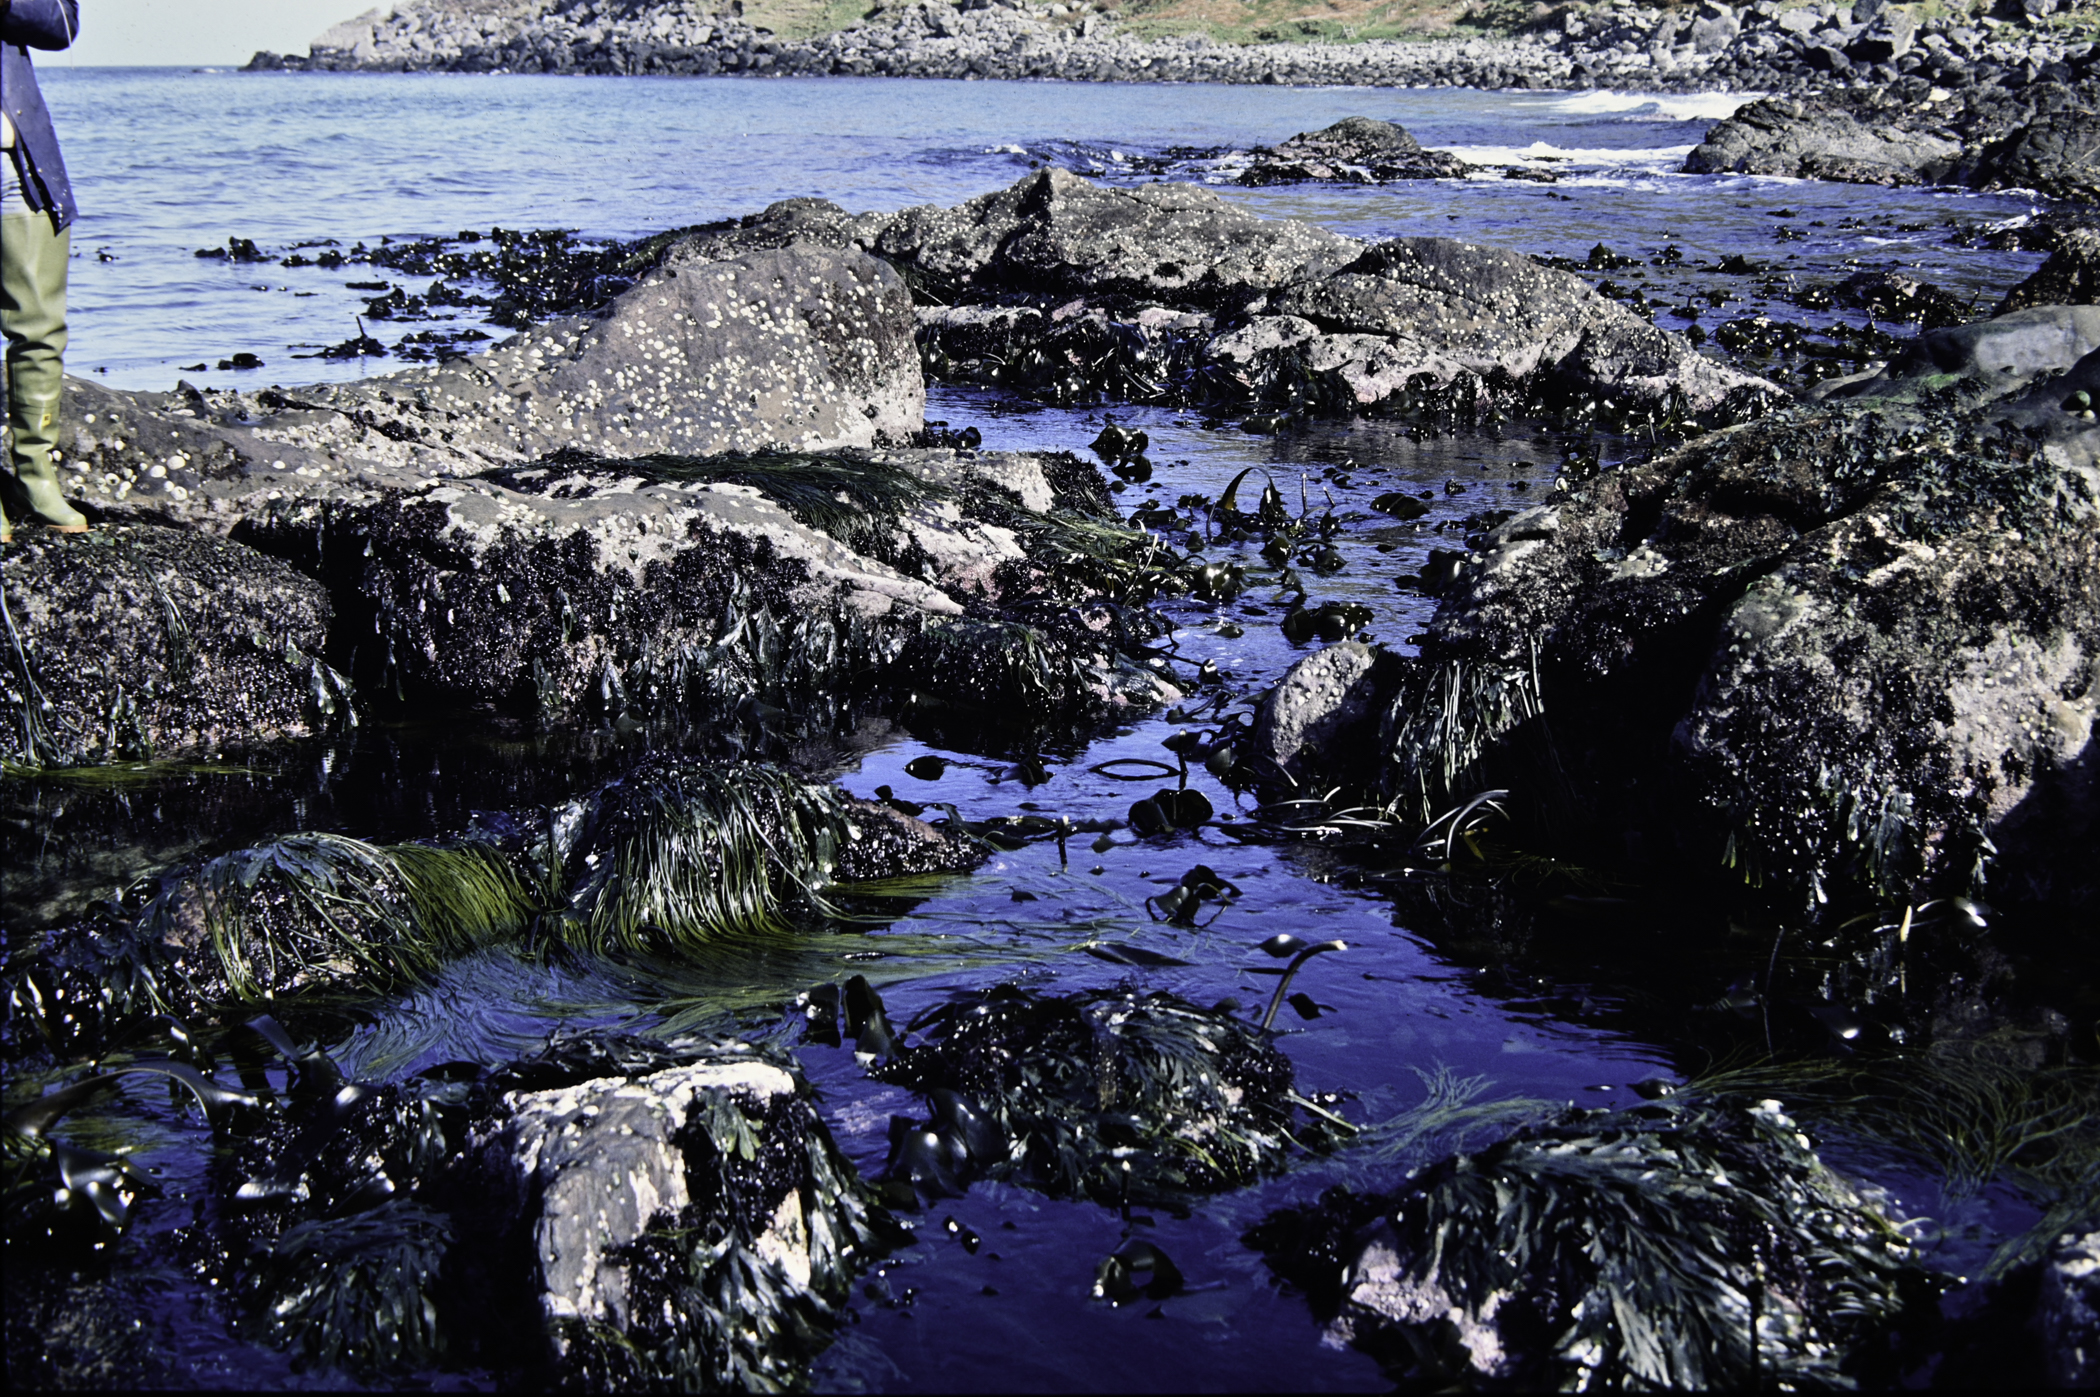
x=1355, y=150
x=1845, y=651
x=135, y=642
x=1687, y=1246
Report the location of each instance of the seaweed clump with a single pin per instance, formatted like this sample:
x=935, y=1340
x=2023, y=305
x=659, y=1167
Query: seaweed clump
x=1113, y=1095
x=1681, y=1244
x=679, y=853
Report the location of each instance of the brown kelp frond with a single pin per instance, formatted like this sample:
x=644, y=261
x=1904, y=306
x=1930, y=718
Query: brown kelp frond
x=310, y=909
x=678, y=853
x=1112, y=1095
x=1679, y=1245
x=1973, y=1115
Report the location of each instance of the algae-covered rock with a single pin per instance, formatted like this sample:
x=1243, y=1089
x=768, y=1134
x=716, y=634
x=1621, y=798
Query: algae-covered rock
x=1682, y=1246
x=1844, y=651
x=1115, y=1096
x=144, y=642
x=612, y=1211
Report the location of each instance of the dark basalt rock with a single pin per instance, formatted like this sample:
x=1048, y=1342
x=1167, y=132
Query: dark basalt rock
x=137, y=642
x=1165, y=293
x=2071, y=276
x=1844, y=652
x=2038, y=136
x=1355, y=150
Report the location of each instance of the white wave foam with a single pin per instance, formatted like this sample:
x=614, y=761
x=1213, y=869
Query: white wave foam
x=1641, y=106
x=1657, y=159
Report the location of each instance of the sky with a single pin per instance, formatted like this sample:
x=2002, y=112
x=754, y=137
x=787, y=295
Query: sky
x=199, y=33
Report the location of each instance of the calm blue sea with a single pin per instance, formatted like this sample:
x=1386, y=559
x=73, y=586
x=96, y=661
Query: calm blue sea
x=171, y=160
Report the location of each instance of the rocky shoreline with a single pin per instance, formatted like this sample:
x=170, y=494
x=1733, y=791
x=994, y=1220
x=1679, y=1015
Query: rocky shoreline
x=1868, y=93
x=1828, y=660
x=1715, y=46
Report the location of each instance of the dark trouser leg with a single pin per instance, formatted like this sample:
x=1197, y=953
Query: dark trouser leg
x=33, y=318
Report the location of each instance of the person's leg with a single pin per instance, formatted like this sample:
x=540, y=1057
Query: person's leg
x=33, y=318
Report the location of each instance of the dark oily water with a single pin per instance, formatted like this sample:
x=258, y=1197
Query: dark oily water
x=998, y=1287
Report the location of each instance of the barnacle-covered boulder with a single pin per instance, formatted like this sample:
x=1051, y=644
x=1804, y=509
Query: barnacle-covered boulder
x=1682, y=1246
x=1848, y=651
x=144, y=642
x=797, y=348
x=1061, y=286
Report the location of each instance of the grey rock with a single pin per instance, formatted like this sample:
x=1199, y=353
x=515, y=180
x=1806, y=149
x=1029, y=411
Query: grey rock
x=1321, y=700
x=798, y=347
x=1159, y=265
x=1055, y=233
x=1780, y=136
x=1885, y=40
x=2003, y=354
x=134, y=642
x=2057, y=154
x=1436, y=301
x=2067, y=1313
x=1355, y=150
x=587, y=1169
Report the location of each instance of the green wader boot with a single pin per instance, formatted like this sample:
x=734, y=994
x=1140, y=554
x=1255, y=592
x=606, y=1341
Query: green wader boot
x=33, y=317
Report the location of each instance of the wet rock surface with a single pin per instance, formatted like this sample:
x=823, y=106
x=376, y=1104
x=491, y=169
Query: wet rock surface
x=137, y=643
x=1621, y=1237
x=2068, y=1313
x=1355, y=150
x=1844, y=650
